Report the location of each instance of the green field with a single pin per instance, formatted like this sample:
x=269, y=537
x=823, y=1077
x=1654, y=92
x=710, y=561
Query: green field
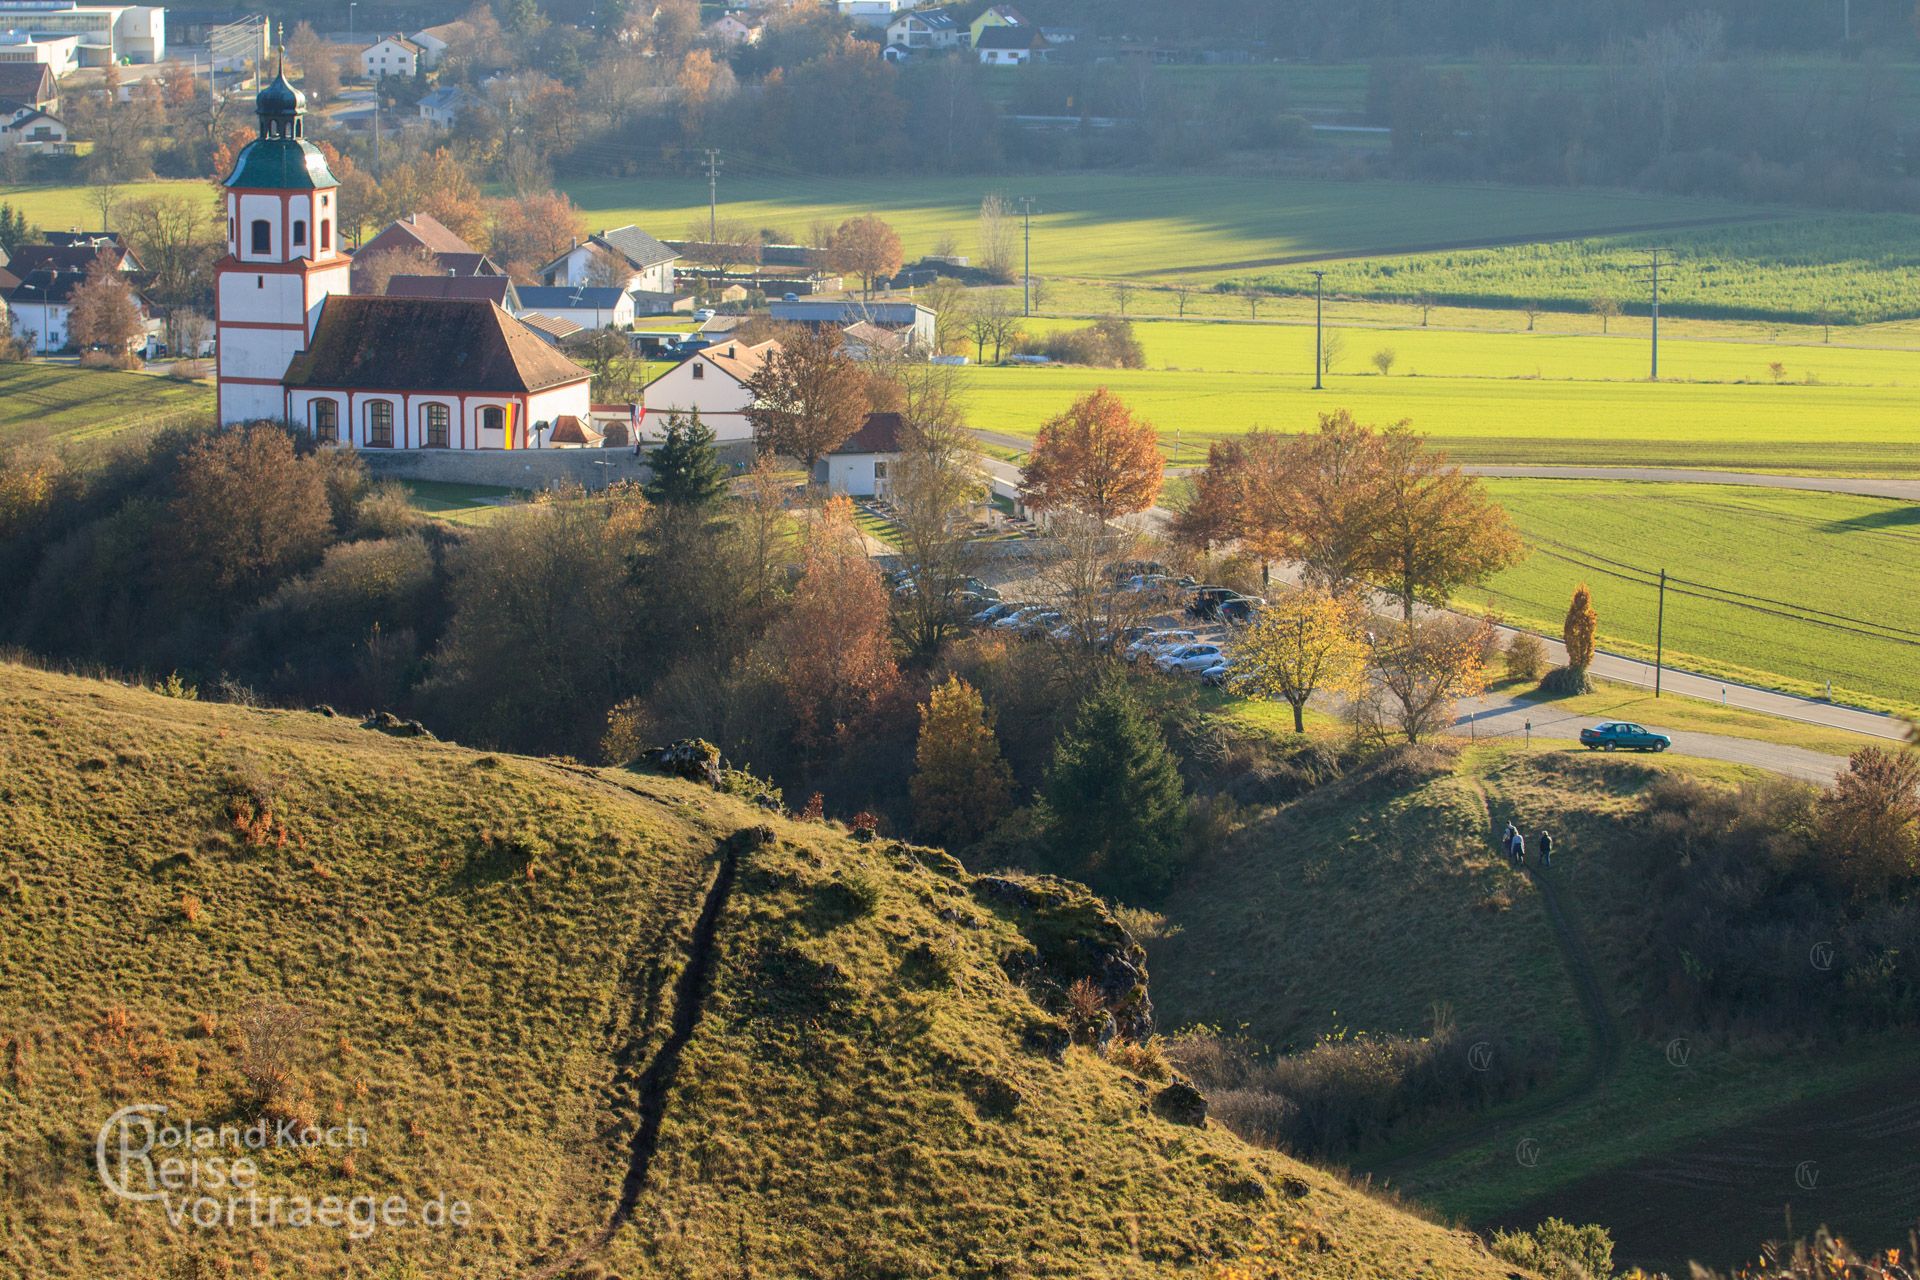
x=47, y=402
x=1107, y=224
x=1845, y=565
x=1859, y=431
x=1854, y=269
x=58, y=208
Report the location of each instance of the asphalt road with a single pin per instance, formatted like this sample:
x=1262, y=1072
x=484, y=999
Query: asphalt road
x=1791, y=761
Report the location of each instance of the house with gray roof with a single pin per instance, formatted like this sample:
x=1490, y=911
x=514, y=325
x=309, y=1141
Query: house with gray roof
x=625, y=257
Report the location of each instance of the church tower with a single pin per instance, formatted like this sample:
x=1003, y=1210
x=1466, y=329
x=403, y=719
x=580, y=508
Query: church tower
x=283, y=256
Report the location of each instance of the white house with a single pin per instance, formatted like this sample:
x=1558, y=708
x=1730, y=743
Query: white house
x=433, y=41
x=45, y=276
x=859, y=467
x=713, y=382
x=103, y=33
x=626, y=257
x=444, y=106
x=394, y=55
x=1006, y=46
x=737, y=28
x=924, y=29
x=871, y=13
x=58, y=54
x=590, y=307
x=910, y=318
x=24, y=125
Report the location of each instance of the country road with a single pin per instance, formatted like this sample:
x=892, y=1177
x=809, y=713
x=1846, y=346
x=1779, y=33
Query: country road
x=1499, y=720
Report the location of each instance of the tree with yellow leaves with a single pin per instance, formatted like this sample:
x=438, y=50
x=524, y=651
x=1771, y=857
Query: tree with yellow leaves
x=963, y=783
x=1302, y=642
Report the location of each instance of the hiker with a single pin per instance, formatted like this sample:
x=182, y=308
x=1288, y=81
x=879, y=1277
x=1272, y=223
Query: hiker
x=1506, y=838
x=1546, y=848
x=1519, y=850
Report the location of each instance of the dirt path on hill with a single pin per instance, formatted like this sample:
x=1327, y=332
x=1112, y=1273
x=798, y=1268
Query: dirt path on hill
x=1603, y=1033
x=654, y=1083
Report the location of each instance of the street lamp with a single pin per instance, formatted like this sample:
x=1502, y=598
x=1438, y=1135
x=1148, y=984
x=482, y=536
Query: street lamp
x=355, y=4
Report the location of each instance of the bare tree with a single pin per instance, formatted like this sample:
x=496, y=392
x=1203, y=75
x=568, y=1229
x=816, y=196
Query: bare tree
x=1002, y=320
x=1383, y=360
x=1182, y=290
x=1332, y=347
x=273, y=1045
x=1606, y=307
x=1122, y=294
x=1532, y=312
x=371, y=273
x=937, y=484
x=1253, y=298
x=1040, y=290
x=1426, y=304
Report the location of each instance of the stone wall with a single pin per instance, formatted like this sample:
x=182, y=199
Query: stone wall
x=525, y=468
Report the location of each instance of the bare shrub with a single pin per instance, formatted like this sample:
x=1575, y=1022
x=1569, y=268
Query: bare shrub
x=273, y=1044
x=1526, y=657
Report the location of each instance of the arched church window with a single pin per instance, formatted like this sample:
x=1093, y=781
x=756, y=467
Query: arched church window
x=380, y=424
x=262, y=233
x=326, y=234
x=300, y=233
x=437, y=421
x=326, y=420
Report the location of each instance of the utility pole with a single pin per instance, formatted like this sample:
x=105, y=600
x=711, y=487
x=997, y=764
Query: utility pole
x=1660, y=634
x=1846, y=20
x=376, y=130
x=1026, y=258
x=713, y=196
x=1657, y=264
x=1318, y=361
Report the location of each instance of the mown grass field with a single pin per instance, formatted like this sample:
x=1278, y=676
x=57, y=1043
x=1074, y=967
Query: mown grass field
x=64, y=403
x=1846, y=564
x=56, y=208
x=1104, y=224
x=1836, y=430
x=489, y=953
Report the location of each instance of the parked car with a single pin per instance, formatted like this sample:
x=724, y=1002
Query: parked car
x=1152, y=644
x=1189, y=659
x=1206, y=601
x=1122, y=639
x=1038, y=624
x=1618, y=735
x=1222, y=674
x=1018, y=618
x=995, y=611
x=1140, y=582
x=1238, y=613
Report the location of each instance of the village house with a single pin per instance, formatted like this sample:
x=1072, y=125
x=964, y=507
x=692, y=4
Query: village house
x=434, y=41
x=624, y=257
x=23, y=125
x=999, y=15
x=32, y=83
x=371, y=372
x=859, y=466
x=871, y=13
x=913, y=321
x=921, y=30
x=1010, y=46
x=738, y=27
x=443, y=107
x=421, y=234
x=551, y=330
x=590, y=307
x=498, y=290
x=714, y=383
x=44, y=276
x=393, y=55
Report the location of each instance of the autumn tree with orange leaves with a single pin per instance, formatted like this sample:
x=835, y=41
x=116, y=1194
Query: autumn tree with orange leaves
x=835, y=646
x=1096, y=458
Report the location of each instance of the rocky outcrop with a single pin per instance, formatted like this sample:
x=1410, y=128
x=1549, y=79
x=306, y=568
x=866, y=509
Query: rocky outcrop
x=1074, y=936
x=694, y=759
x=388, y=723
x=1181, y=1103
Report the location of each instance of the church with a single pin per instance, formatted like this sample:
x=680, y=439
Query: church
x=371, y=372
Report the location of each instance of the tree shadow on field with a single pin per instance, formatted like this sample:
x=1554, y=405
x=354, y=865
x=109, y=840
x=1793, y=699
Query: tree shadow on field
x=1892, y=519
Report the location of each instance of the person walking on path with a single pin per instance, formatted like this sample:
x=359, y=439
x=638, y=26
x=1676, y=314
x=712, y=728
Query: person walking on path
x=1546, y=848
x=1519, y=850
x=1506, y=840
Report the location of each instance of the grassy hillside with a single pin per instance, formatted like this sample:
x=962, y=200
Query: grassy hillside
x=1380, y=909
x=47, y=402
x=634, y=1037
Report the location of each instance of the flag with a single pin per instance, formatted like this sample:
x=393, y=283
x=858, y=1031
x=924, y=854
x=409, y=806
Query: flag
x=509, y=426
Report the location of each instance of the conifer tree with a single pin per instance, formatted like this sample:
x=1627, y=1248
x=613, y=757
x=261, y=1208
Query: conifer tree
x=687, y=472
x=963, y=782
x=1582, y=628
x=1117, y=805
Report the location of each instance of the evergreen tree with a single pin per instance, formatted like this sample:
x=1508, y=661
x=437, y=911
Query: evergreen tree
x=1118, y=806
x=963, y=782
x=687, y=472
